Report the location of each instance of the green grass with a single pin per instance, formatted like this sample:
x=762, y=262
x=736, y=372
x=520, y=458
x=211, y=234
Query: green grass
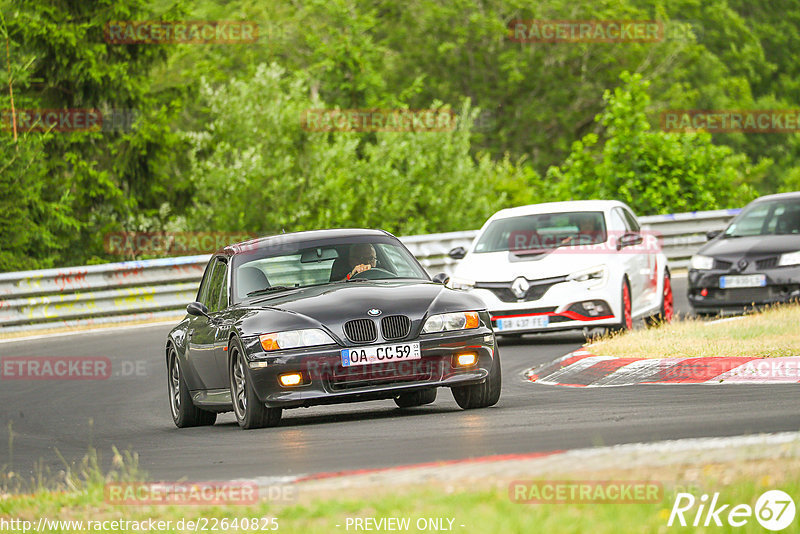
x=772, y=333
x=480, y=507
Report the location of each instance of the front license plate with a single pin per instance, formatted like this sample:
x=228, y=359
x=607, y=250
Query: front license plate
x=523, y=323
x=380, y=354
x=748, y=280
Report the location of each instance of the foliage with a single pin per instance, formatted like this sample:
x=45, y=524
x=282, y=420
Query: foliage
x=652, y=171
x=255, y=167
x=532, y=107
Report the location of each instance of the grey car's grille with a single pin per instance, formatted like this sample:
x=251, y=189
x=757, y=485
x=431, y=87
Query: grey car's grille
x=767, y=263
x=395, y=327
x=361, y=331
x=722, y=265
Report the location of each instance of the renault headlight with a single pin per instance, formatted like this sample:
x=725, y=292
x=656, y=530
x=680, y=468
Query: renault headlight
x=292, y=339
x=444, y=322
x=702, y=263
x=790, y=258
x=595, y=276
x=461, y=283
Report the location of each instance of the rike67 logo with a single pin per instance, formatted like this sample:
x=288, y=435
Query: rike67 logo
x=774, y=510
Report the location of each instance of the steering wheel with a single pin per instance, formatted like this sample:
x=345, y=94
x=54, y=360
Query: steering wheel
x=377, y=273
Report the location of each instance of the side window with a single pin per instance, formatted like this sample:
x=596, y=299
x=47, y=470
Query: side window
x=632, y=223
x=216, y=286
x=202, y=292
x=618, y=220
x=223, y=294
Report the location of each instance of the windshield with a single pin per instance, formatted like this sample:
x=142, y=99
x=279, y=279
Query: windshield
x=367, y=258
x=774, y=217
x=543, y=231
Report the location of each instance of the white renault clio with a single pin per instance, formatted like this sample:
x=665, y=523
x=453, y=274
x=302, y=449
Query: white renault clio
x=566, y=265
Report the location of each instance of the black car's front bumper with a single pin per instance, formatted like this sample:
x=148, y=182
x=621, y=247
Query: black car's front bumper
x=706, y=296
x=326, y=381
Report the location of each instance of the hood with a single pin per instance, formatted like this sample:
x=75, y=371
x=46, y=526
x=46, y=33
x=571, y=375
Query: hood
x=332, y=305
x=751, y=246
x=505, y=266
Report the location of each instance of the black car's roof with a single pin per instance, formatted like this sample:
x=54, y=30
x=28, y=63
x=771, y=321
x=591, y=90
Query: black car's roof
x=299, y=237
x=779, y=196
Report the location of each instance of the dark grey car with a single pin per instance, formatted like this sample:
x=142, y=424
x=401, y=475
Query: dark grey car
x=754, y=261
x=286, y=321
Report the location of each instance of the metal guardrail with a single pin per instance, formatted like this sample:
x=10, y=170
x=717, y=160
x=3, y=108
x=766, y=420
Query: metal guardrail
x=96, y=294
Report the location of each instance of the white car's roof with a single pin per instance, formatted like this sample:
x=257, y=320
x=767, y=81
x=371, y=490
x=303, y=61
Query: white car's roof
x=558, y=207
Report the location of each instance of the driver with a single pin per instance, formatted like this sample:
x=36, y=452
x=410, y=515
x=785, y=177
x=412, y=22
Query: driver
x=362, y=258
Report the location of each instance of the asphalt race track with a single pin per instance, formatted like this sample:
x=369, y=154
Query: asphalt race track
x=131, y=412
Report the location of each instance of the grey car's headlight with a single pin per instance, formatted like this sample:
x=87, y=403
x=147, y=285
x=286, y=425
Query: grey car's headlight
x=461, y=283
x=292, y=339
x=702, y=263
x=790, y=258
x=443, y=322
x=595, y=275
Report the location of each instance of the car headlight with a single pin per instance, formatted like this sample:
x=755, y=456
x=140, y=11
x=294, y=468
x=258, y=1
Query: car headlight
x=292, y=339
x=702, y=263
x=461, y=283
x=596, y=276
x=443, y=322
x=790, y=258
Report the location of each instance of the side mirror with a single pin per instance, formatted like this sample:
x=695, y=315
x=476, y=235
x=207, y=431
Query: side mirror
x=629, y=240
x=711, y=234
x=198, y=309
x=457, y=253
x=441, y=278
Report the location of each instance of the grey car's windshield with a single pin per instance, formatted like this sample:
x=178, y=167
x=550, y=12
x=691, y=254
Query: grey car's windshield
x=773, y=217
x=265, y=271
x=543, y=231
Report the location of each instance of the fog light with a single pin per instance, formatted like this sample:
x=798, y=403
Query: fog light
x=466, y=360
x=291, y=379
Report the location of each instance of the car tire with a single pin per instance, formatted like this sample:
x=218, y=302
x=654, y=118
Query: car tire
x=667, y=310
x=250, y=412
x=627, y=315
x=184, y=413
x=415, y=398
x=481, y=395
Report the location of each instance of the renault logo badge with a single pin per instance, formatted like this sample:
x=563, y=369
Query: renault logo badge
x=520, y=287
x=374, y=312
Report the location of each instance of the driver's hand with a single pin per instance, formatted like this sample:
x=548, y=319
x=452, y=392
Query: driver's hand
x=360, y=269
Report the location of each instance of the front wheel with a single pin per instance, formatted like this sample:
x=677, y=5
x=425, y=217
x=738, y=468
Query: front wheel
x=184, y=412
x=667, y=310
x=481, y=395
x=626, y=324
x=250, y=412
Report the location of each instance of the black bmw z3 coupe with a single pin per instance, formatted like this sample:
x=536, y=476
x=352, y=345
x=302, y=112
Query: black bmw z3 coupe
x=322, y=317
x=754, y=261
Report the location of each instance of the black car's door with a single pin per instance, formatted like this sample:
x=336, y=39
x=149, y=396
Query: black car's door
x=204, y=346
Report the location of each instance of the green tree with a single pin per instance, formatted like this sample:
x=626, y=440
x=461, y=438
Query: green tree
x=652, y=171
x=256, y=168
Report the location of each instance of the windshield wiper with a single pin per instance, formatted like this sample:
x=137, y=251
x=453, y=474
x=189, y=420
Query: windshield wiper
x=270, y=290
